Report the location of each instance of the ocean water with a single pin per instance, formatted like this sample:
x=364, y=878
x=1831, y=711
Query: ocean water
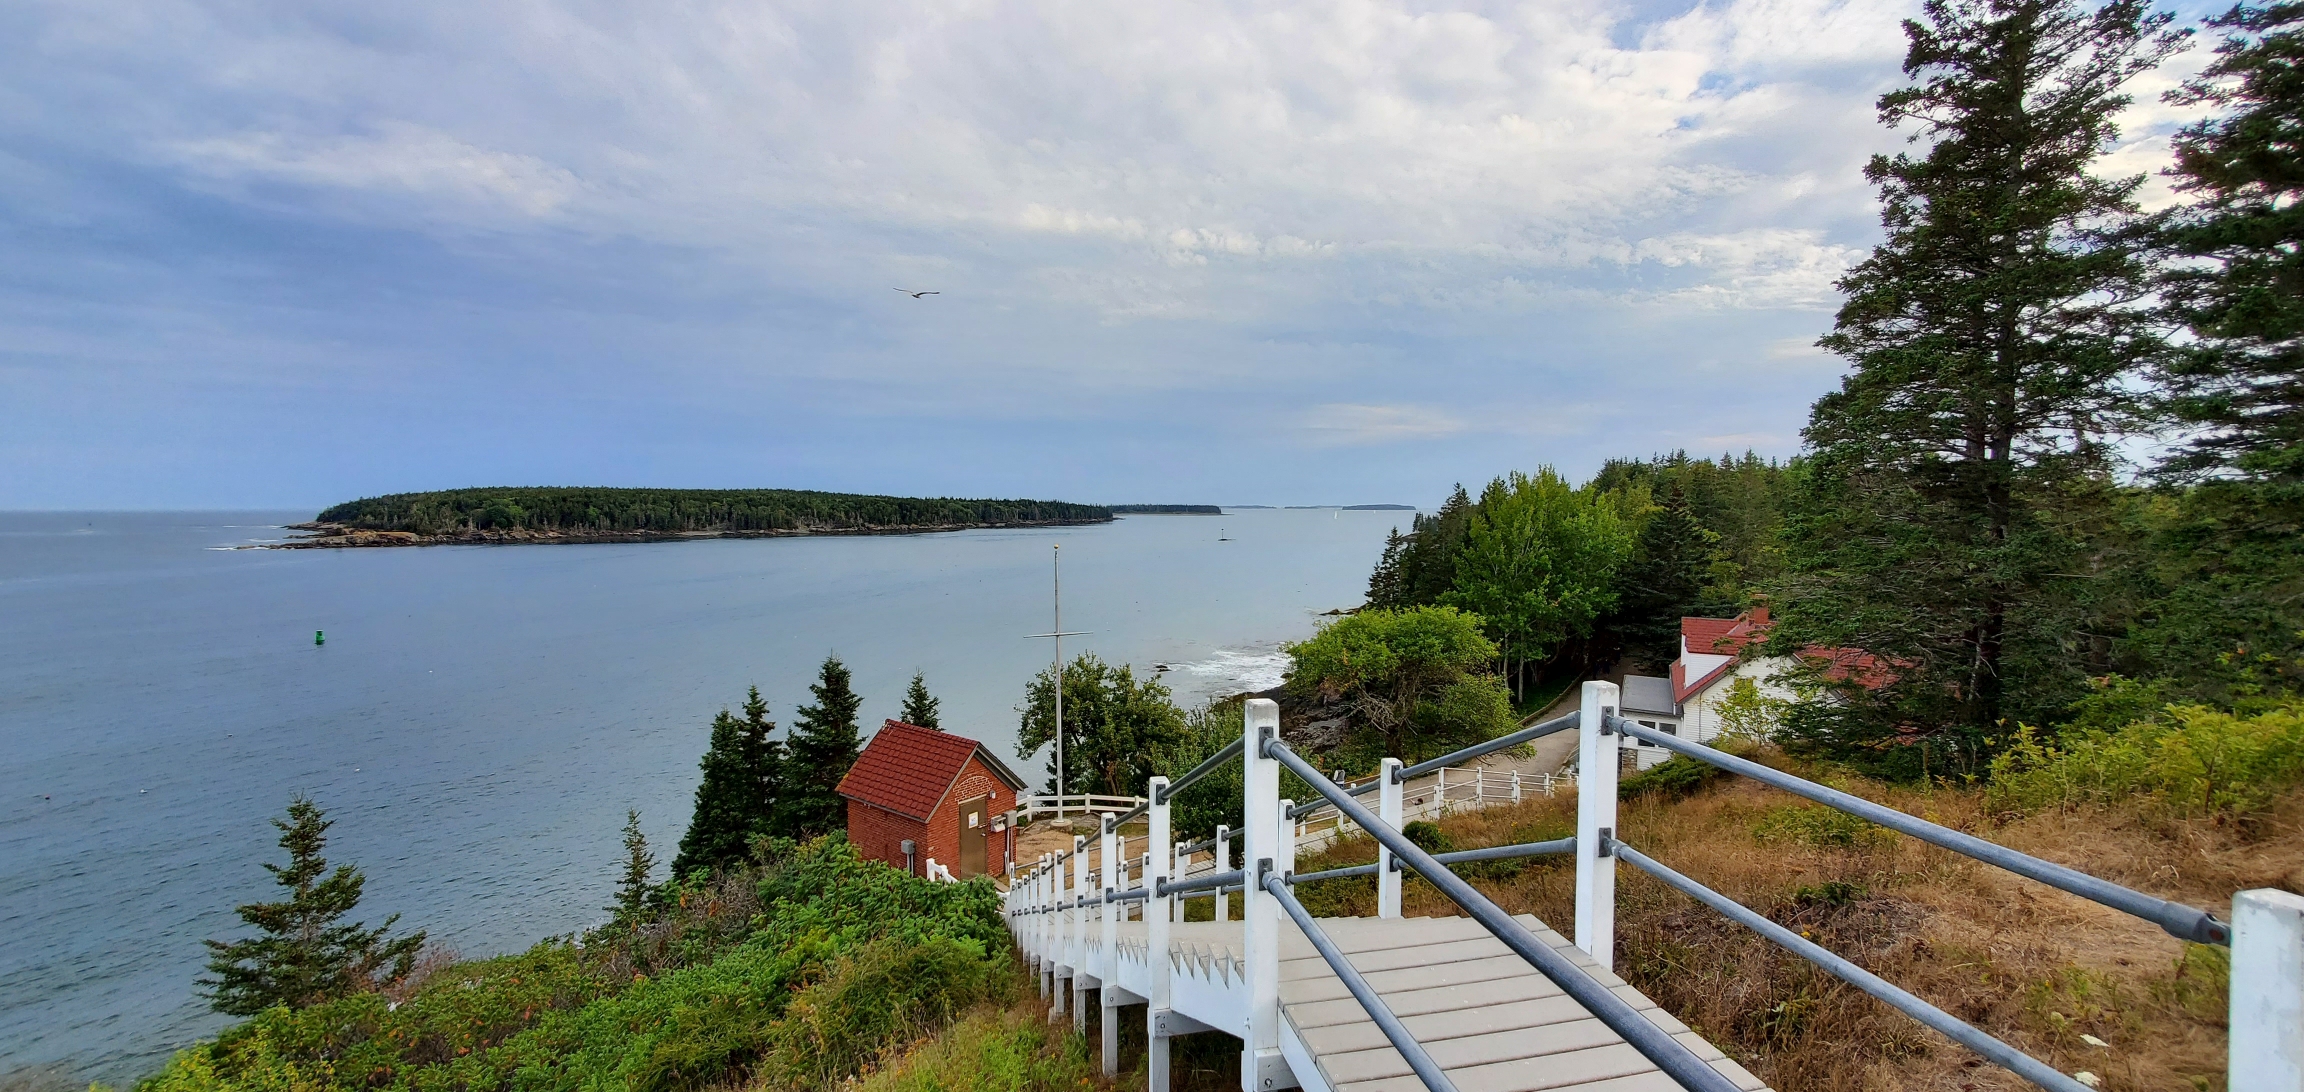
x=481, y=717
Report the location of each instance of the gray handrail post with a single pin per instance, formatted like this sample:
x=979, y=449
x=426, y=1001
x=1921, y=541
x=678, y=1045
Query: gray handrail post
x=1388, y=809
x=1262, y=1067
x=1596, y=759
x=1109, y=869
x=1224, y=864
x=2267, y=1013
x=1159, y=855
x=1178, y=863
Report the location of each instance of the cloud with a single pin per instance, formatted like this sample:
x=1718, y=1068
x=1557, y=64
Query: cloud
x=1340, y=424
x=397, y=159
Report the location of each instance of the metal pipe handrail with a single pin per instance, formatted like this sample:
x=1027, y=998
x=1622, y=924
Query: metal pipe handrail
x=1959, y=1031
x=2181, y=921
x=1461, y=856
x=1213, y=879
x=1667, y=1053
x=1207, y=766
x=1200, y=846
x=1418, y=1060
x=1532, y=732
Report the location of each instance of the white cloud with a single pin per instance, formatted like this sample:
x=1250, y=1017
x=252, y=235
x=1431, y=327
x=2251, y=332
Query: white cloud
x=1338, y=424
x=399, y=158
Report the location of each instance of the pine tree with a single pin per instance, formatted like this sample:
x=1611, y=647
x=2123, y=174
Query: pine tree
x=919, y=708
x=1385, y=587
x=824, y=743
x=1665, y=581
x=633, y=891
x=1993, y=332
x=2227, y=565
x=306, y=953
x=737, y=796
x=2240, y=282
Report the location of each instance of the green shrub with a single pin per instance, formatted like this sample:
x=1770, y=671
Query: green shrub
x=835, y=932
x=1427, y=836
x=2191, y=760
x=1675, y=778
x=1818, y=827
x=992, y=1051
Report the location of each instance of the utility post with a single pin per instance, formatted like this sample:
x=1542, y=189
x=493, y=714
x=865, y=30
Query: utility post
x=1388, y=793
x=1262, y=1067
x=1159, y=857
x=1598, y=750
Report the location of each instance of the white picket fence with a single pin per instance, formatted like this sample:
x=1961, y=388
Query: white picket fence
x=1453, y=789
x=1029, y=808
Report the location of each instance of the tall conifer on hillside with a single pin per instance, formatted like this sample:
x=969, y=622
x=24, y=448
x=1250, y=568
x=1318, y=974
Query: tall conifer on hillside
x=305, y=952
x=824, y=743
x=2230, y=564
x=1940, y=516
x=633, y=887
x=919, y=707
x=737, y=798
x=1664, y=581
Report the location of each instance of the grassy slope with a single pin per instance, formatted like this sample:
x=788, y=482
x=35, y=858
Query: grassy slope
x=2027, y=963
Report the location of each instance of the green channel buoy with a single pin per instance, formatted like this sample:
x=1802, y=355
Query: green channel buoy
x=319, y=638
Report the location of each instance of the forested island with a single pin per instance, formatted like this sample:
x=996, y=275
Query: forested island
x=572, y=515
x=1167, y=510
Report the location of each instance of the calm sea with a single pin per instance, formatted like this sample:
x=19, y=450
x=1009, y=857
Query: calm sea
x=480, y=717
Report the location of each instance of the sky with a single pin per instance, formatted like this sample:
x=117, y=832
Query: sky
x=259, y=254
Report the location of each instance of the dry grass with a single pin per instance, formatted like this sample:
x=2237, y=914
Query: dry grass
x=2028, y=964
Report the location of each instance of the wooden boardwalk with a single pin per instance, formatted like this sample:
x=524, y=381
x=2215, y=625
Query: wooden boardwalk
x=1491, y=1020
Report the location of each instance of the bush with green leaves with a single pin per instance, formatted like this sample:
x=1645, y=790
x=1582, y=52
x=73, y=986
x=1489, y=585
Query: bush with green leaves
x=2189, y=759
x=1819, y=827
x=844, y=958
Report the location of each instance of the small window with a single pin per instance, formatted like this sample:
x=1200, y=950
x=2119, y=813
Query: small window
x=972, y=818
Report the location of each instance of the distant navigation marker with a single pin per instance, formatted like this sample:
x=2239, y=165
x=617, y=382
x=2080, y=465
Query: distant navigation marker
x=319, y=638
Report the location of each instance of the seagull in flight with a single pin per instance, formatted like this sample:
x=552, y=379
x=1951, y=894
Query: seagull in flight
x=917, y=295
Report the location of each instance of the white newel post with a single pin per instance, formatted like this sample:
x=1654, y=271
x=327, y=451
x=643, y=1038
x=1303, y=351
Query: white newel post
x=1440, y=792
x=1515, y=786
x=1110, y=869
x=1262, y=1067
x=1223, y=863
x=1596, y=758
x=1159, y=857
x=1075, y=941
x=2267, y=1014
x=1388, y=796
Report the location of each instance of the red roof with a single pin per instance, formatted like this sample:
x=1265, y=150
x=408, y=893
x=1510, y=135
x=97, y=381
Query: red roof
x=907, y=769
x=1716, y=637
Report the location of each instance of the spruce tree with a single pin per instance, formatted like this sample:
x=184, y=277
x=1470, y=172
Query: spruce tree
x=1993, y=336
x=1385, y=587
x=919, y=708
x=824, y=743
x=305, y=952
x=737, y=796
x=633, y=890
x=2239, y=283
x=2226, y=564
x=1665, y=581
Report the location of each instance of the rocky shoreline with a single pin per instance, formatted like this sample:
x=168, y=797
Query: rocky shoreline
x=337, y=536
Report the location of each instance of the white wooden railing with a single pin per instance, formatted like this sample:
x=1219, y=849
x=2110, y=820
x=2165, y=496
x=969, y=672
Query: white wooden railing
x=1033, y=807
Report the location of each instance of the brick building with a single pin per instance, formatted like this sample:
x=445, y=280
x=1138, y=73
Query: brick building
x=943, y=793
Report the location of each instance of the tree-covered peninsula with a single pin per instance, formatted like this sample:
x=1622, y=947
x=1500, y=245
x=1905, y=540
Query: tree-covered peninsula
x=540, y=514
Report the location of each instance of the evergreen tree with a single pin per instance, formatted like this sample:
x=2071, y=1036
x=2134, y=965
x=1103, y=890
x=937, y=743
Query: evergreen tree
x=824, y=743
x=305, y=952
x=738, y=795
x=1665, y=581
x=919, y=708
x=633, y=890
x=1955, y=471
x=1386, y=590
x=2228, y=561
x=2239, y=283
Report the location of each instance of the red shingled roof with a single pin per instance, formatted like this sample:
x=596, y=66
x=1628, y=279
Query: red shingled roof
x=907, y=769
